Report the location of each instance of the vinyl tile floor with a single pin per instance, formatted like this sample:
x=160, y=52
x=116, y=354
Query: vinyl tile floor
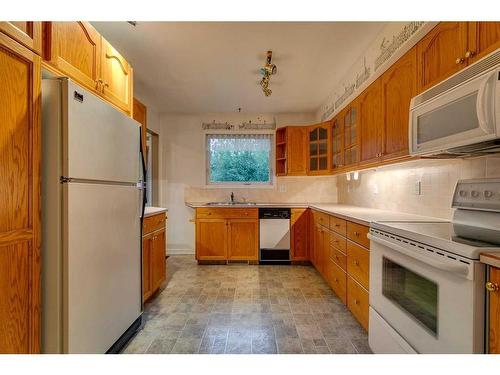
x=246, y=309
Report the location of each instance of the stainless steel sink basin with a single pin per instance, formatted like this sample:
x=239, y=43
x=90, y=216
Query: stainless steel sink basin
x=231, y=204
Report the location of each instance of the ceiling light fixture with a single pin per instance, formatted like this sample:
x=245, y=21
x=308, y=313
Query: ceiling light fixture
x=267, y=71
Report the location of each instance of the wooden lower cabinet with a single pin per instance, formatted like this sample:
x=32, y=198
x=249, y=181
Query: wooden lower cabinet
x=357, y=301
x=299, y=230
x=340, y=253
x=224, y=234
x=243, y=239
x=211, y=239
x=20, y=75
x=494, y=311
x=154, y=243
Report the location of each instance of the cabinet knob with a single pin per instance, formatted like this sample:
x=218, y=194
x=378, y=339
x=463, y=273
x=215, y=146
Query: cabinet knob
x=492, y=287
x=356, y=263
x=469, y=54
x=459, y=60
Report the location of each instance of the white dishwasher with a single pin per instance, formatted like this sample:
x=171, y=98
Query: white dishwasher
x=274, y=239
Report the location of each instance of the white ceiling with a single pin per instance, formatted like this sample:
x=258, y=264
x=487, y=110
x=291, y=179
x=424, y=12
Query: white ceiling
x=213, y=66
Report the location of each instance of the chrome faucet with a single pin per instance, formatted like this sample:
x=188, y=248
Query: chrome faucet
x=232, y=197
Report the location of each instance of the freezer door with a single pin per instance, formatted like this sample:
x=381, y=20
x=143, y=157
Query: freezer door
x=99, y=142
x=101, y=264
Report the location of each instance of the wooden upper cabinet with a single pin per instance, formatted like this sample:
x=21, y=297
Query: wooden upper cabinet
x=20, y=74
x=337, y=126
x=296, y=148
x=441, y=53
x=116, y=75
x=243, y=239
x=28, y=33
x=371, y=122
x=399, y=86
x=318, y=149
x=140, y=114
x=484, y=37
x=350, y=119
x=74, y=48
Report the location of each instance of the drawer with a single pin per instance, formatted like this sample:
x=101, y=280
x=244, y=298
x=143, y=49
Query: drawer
x=358, y=301
x=337, y=279
x=358, y=233
x=339, y=258
x=338, y=225
x=321, y=218
x=227, y=213
x=338, y=242
x=152, y=223
x=358, y=263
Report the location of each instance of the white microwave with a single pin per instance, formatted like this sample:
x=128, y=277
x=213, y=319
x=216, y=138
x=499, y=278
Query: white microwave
x=460, y=116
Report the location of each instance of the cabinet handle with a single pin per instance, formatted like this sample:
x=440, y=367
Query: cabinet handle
x=356, y=263
x=459, y=60
x=98, y=83
x=356, y=234
x=492, y=287
x=356, y=302
x=469, y=54
x=336, y=280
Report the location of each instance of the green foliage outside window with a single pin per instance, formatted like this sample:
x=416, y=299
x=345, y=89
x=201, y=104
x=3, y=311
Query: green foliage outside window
x=239, y=160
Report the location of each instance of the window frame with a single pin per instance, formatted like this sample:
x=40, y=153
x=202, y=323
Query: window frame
x=235, y=184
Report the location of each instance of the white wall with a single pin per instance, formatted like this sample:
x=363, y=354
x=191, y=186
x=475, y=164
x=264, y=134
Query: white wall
x=184, y=163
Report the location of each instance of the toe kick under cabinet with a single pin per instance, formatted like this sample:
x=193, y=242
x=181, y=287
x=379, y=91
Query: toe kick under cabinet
x=154, y=242
x=340, y=252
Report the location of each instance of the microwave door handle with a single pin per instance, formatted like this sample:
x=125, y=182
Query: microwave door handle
x=483, y=104
x=454, y=268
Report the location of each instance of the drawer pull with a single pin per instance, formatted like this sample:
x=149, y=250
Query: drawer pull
x=337, y=225
x=356, y=234
x=356, y=302
x=356, y=263
x=336, y=280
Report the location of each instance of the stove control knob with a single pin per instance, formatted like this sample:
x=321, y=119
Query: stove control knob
x=475, y=193
x=463, y=193
x=488, y=194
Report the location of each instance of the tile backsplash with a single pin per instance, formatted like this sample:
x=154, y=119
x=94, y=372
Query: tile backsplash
x=286, y=190
x=423, y=187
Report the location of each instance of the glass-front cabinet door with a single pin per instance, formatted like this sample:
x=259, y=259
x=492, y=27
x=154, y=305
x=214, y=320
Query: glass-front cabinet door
x=318, y=149
x=350, y=122
x=337, y=142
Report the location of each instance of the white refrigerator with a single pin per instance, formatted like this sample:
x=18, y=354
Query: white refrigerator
x=92, y=204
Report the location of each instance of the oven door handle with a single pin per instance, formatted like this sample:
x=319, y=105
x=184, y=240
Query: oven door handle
x=455, y=268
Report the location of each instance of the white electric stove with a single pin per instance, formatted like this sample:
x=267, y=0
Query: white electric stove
x=426, y=282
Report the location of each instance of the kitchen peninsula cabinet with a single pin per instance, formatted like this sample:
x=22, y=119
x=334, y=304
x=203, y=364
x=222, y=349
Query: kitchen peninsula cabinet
x=20, y=131
x=227, y=234
x=153, y=254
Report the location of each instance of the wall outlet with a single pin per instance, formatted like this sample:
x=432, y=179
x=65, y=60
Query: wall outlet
x=417, y=188
x=282, y=188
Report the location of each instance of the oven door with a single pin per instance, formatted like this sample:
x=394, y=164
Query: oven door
x=433, y=306
x=462, y=116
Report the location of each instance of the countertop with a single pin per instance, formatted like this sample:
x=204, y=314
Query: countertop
x=150, y=211
x=361, y=215
x=491, y=259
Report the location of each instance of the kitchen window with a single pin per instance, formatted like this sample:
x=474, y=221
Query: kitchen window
x=239, y=159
